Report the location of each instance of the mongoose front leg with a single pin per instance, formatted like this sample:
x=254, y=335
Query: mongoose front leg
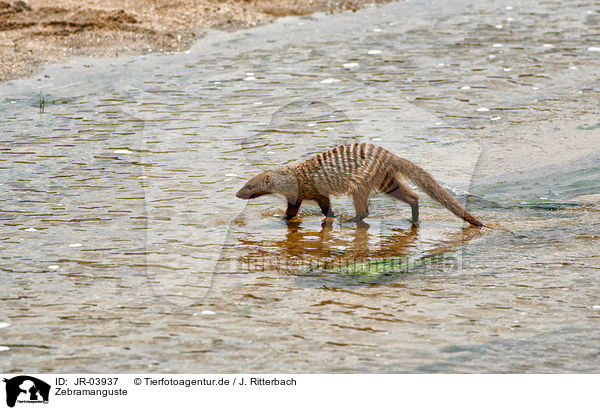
x=325, y=206
x=403, y=193
x=292, y=208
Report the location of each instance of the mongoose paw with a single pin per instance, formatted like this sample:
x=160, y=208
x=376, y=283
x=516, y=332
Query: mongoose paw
x=355, y=219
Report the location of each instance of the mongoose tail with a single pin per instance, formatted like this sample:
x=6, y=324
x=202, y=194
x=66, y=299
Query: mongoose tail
x=432, y=188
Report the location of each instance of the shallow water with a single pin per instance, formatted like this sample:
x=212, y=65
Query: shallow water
x=125, y=249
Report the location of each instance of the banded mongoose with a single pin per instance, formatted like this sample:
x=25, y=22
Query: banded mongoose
x=355, y=169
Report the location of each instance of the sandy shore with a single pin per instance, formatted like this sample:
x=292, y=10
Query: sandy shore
x=42, y=31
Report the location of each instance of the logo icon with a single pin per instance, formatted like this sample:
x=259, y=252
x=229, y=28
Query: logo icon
x=26, y=389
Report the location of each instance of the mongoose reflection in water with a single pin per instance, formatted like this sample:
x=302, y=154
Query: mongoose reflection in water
x=356, y=170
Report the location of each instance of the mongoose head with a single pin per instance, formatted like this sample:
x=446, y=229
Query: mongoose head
x=258, y=186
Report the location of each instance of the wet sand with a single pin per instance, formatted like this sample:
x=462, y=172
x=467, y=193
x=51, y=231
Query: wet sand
x=41, y=31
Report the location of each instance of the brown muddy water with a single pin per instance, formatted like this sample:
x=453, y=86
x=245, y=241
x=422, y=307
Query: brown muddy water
x=124, y=248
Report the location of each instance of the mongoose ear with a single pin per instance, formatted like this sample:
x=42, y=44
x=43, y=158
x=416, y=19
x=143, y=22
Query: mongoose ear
x=267, y=180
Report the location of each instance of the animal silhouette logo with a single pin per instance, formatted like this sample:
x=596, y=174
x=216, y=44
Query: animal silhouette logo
x=26, y=389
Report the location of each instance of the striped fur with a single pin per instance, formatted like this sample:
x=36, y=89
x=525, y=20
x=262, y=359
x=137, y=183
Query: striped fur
x=353, y=169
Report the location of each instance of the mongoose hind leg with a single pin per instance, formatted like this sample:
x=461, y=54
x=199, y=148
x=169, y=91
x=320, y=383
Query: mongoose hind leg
x=325, y=206
x=292, y=209
x=361, y=205
x=403, y=193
